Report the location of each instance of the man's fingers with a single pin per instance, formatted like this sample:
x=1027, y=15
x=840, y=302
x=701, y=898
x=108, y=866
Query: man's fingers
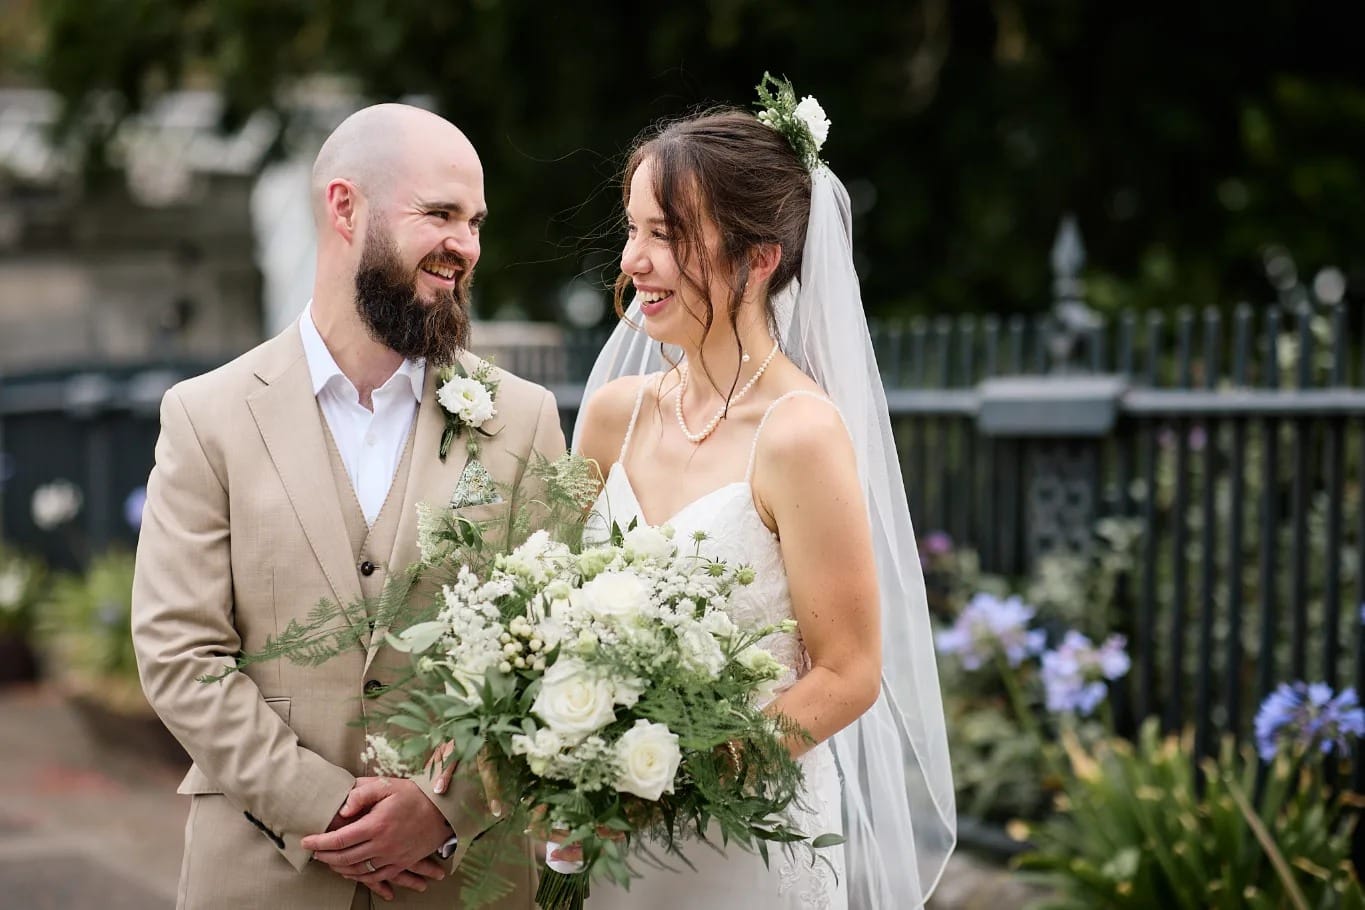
x=380, y=889
x=366, y=793
x=410, y=880
x=490, y=784
x=429, y=868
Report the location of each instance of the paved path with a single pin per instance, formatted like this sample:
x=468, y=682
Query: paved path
x=85, y=826
x=81, y=826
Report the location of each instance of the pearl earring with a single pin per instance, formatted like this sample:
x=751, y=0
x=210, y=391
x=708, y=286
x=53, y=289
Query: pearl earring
x=745, y=357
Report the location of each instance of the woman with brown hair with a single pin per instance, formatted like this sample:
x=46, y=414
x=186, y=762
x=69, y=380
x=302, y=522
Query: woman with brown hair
x=759, y=419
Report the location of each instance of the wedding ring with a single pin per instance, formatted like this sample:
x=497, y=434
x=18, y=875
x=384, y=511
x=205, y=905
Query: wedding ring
x=369, y=864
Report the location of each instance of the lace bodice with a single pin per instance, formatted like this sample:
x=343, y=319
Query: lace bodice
x=735, y=534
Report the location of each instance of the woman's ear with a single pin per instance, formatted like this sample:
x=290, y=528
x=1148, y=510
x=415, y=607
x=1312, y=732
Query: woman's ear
x=763, y=261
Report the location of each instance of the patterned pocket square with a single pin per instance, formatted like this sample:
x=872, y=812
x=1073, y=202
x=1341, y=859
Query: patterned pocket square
x=475, y=488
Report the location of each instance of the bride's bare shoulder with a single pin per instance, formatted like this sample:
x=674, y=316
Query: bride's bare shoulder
x=606, y=414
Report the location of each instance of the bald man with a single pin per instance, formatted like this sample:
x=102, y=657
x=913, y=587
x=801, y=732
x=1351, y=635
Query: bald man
x=292, y=475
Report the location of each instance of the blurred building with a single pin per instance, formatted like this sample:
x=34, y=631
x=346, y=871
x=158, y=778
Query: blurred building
x=153, y=261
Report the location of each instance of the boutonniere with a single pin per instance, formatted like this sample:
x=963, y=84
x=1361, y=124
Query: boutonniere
x=467, y=400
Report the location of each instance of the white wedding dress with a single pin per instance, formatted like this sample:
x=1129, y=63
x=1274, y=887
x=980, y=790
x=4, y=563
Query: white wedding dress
x=737, y=879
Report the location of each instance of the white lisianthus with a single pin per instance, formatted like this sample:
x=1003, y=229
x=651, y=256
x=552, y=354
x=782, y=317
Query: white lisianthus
x=628, y=691
x=467, y=399
x=540, y=750
x=573, y=701
x=700, y=652
x=813, y=116
x=419, y=637
x=719, y=624
x=649, y=756
x=645, y=542
x=615, y=595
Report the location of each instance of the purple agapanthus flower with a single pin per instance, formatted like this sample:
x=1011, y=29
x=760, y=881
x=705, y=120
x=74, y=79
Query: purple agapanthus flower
x=1075, y=675
x=1308, y=716
x=989, y=624
x=936, y=543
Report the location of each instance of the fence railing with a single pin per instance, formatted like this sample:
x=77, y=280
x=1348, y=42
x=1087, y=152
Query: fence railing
x=1234, y=445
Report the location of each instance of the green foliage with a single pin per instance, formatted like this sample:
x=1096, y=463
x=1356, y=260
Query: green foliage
x=22, y=582
x=1133, y=829
x=1185, y=139
x=86, y=631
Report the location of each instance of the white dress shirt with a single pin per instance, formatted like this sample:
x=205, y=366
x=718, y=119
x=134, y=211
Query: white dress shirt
x=370, y=442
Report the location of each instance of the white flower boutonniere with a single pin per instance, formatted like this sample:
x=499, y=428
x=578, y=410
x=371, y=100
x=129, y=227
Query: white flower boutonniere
x=468, y=403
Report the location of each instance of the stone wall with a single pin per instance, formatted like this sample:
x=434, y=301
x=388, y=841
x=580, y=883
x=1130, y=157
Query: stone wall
x=91, y=276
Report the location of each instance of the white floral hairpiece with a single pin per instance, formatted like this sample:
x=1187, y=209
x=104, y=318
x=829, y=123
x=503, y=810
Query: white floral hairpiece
x=803, y=123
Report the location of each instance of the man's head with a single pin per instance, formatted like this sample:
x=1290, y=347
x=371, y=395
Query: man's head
x=398, y=202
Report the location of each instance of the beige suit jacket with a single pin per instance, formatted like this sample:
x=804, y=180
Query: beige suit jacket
x=243, y=531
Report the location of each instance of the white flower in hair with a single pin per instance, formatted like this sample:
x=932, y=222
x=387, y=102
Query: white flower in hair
x=813, y=116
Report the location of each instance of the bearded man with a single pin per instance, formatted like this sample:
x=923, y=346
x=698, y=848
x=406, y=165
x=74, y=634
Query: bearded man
x=292, y=475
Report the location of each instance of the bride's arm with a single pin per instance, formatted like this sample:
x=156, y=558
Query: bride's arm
x=806, y=481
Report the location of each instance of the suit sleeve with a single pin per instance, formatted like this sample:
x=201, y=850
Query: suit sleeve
x=183, y=629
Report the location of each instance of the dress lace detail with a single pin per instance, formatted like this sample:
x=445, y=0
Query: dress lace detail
x=736, y=533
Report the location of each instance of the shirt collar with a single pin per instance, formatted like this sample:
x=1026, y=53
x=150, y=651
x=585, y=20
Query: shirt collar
x=322, y=366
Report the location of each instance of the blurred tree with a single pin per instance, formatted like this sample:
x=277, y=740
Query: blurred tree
x=1186, y=136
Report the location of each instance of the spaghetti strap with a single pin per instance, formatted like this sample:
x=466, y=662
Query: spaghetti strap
x=753, y=450
x=634, y=415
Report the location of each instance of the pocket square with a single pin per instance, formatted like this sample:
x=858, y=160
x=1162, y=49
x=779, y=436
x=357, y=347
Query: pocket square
x=475, y=487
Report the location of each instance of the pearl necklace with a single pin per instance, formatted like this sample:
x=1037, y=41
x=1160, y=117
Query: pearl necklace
x=698, y=438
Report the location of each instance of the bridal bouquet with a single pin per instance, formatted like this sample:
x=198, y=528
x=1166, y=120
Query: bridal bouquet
x=600, y=691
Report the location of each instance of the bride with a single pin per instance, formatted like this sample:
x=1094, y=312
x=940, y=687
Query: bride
x=739, y=397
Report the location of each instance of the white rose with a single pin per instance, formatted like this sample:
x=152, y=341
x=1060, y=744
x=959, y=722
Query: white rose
x=467, y=399
x=649, y=757
x=813, y=116
x=700, y=652
x=615, y=595
x=644, y=542
x=572, y=701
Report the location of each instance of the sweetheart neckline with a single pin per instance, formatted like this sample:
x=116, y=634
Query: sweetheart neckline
x=640, y=509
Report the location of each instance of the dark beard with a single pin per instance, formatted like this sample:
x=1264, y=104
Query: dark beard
x=386, y=297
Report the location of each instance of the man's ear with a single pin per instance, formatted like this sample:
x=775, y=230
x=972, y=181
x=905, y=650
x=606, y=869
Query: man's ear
x=763, y=261
x=343, y=204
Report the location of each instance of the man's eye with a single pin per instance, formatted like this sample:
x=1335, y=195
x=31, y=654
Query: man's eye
x=443, y=216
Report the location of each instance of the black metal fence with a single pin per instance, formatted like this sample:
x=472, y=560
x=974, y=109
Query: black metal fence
x=1236, y=446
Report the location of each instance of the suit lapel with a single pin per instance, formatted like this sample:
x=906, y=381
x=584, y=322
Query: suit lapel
x=287, y=415
x=430, y=480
